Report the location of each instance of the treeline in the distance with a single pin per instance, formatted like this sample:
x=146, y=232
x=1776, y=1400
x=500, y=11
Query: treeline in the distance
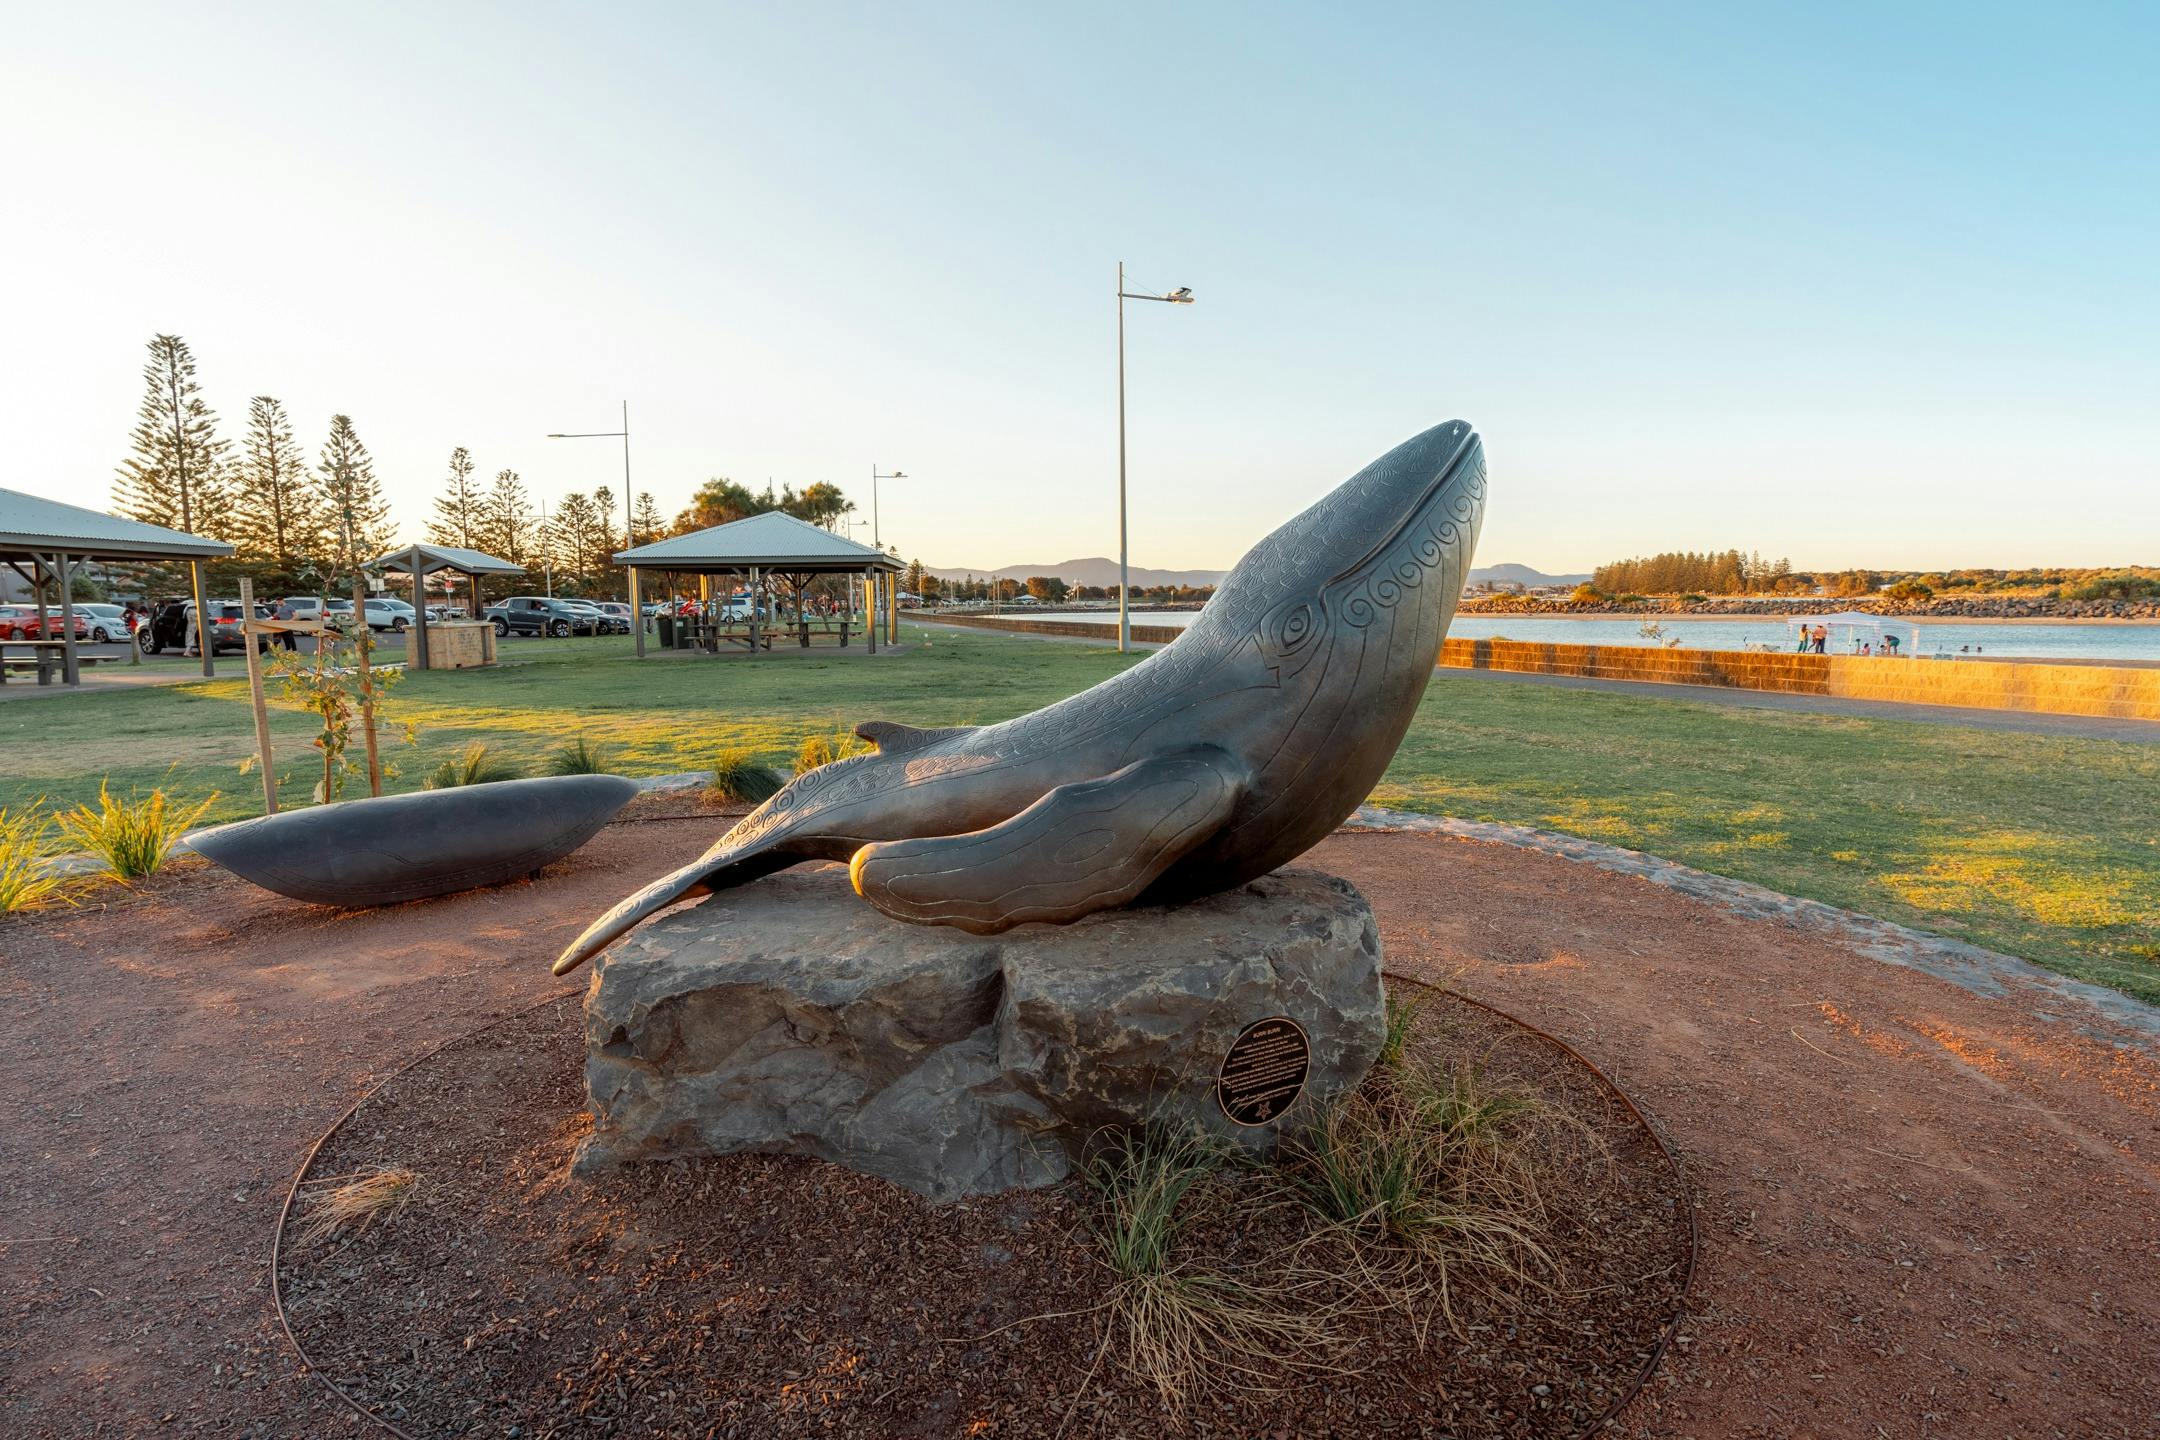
x=299, y=525
x=1728, y=572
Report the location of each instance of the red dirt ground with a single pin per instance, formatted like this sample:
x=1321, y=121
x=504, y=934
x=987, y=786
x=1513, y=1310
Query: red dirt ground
x=1924, y=1212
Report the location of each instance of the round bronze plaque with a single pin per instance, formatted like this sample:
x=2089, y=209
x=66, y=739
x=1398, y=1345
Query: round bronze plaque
x=1264, y=1072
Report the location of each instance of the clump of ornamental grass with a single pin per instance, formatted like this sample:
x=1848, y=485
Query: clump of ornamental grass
x=817, y=750
x=738, y=779
x=579, y=757
x=1174, y=1323
x=474, y=765
x=27, y=879
x=346, y=1205
x=135, y=836
x=1423, y=1179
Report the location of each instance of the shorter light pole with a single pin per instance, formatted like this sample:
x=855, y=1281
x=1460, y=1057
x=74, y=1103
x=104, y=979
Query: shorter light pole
x=1179, y=296
x=628, y=509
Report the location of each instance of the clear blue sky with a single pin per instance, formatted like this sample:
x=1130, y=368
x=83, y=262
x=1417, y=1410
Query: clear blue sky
x=1860, y=284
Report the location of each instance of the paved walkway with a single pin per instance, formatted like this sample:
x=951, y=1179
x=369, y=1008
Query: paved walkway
x=2081, y=727
x=2069, y=726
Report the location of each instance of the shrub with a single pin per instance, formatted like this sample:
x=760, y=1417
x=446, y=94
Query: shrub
x=817, y=750
x=1632, y=599
x=1910, y=590
x=26, y=882
x=579, y=757
x=474, y=765
x=1588, y=595
x=133, y=836
x=1691, y=598
x=2114, y=587
x=738, y=779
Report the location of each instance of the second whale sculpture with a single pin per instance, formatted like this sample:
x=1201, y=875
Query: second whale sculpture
x=1209, y=764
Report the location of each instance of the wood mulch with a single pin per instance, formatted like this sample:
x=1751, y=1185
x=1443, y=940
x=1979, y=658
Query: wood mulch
x=1924, y=1211
x=765, y=1296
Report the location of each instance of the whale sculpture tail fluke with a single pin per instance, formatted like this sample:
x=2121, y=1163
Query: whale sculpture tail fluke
x=700, y=878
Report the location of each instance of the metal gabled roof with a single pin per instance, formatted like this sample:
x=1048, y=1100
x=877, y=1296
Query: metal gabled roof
x=774, y=539
x=448, y=557
x=31, y=524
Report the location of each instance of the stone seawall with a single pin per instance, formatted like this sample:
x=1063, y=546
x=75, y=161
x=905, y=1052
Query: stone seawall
x=2110, y=692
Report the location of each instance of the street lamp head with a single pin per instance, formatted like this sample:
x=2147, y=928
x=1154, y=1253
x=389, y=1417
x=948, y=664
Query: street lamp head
x=557, y=435
x=1180, y=296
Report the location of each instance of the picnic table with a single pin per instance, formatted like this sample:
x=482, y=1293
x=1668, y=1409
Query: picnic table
x=48, y=657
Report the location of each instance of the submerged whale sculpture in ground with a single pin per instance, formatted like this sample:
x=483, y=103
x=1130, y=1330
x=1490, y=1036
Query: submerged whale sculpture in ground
x=1209, y=764
x=393, y=848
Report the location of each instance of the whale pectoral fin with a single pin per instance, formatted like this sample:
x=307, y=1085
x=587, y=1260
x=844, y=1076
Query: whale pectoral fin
x=1081, y=848
x=891, y=737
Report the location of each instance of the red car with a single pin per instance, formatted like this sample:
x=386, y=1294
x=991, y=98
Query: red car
x=12, y=618
x=28, y=628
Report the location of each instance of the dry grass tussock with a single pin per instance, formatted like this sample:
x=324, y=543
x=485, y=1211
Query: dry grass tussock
x=1231, y=1272
x=346, y=1205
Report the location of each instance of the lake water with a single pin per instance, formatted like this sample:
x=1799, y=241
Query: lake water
x=2047, y=641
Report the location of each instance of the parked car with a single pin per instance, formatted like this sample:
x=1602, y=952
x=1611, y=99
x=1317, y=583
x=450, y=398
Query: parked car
x=615, y=610
x=12, y=619
x=603, y=623
x=386, y=613
x=52, y=629
x=107, y=622
x=168, y=624
x=312, y=607
x=541, y=615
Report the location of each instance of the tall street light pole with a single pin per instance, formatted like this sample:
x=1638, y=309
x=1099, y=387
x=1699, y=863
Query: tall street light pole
x=1179, y=296
x=875, y=476
x=623, y=434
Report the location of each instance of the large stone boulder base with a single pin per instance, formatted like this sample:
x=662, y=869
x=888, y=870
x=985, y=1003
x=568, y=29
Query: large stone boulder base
x=788, y=1016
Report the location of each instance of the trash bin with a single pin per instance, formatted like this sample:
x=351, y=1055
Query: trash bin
x=667, y=632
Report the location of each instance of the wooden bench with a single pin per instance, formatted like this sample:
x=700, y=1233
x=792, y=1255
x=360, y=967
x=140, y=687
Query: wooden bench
x=46, y=657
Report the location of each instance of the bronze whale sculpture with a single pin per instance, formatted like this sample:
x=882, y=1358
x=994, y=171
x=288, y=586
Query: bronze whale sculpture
x=1208, y=764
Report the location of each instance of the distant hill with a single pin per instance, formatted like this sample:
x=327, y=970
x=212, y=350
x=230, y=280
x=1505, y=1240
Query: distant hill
x=1522, y=575
x=1094, y=570
x=1099, y=570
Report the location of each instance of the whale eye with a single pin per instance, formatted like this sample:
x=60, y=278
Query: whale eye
x=1293, y=628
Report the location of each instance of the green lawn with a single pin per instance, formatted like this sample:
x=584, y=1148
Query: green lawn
x=2041, y=847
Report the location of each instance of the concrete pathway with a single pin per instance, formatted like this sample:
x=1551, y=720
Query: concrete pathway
x=2083, y=727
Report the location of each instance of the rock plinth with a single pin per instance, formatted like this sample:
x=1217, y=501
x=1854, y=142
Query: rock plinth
x=788, y=1016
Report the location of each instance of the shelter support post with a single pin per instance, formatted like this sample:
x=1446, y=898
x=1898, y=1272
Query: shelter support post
x=756, y=622
x=255, y=695
x=70, y=664
x=474, y=578
x=869, y=614
x=203, y=642
x=637, y=614
x=892, y=609
x=417, y=659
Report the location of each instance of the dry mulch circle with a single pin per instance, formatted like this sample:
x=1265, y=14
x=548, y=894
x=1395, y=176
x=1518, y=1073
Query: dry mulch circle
x=773, y=1296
